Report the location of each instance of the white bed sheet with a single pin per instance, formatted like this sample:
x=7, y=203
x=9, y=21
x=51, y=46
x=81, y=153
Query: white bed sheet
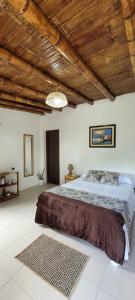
x=122, y=192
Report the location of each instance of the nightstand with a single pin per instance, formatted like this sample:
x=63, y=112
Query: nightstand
x=71, y=177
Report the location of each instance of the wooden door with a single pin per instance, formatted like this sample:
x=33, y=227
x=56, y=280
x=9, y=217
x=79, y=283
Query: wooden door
x=52, y=156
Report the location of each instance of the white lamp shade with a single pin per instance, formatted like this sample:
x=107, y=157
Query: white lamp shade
x=56, y=99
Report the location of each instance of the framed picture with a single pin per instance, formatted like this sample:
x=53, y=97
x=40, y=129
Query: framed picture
x=102, y=136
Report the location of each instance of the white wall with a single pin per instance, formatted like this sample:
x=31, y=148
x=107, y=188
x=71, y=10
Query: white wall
x=14, y=125
x=74, y=136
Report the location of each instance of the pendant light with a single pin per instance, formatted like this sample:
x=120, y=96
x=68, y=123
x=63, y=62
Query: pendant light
x=56, y=99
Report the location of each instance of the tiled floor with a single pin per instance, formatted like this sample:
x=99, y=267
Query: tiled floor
x=100, y=280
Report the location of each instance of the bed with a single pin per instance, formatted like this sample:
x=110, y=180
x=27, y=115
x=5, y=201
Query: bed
x=99, y=213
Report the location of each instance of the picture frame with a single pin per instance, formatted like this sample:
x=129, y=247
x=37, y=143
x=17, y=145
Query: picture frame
x=103, y=136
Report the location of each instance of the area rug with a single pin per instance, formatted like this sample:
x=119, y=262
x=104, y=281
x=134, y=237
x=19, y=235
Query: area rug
x=60, y=265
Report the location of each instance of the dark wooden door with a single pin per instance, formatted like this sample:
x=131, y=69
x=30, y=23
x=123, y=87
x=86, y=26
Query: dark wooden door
x=52, y=156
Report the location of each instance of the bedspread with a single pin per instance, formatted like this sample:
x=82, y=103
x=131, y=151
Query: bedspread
x=96, y=219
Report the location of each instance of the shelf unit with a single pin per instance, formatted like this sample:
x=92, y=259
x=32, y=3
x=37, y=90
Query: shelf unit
x=14, y=176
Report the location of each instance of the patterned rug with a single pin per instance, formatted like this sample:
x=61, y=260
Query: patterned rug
x=60, y=265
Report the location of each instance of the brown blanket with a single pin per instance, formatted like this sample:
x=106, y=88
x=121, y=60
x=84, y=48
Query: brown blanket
x=100, y=226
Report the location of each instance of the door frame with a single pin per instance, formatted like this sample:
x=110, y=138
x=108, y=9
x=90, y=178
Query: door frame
x=45, y=152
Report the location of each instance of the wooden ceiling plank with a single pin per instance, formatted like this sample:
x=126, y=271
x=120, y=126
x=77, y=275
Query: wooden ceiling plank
x=26, y=102
x=6, y=104
x=31, y=70
x=38, y=96
x=20, y=109
x=34, y=16
x=13, y=103
x=131, y=46
x=128, y=8
x=17, y=99
x=72, y=105
x=30, y=91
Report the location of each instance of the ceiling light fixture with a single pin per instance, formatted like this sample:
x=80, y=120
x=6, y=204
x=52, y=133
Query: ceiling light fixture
x=57, y=99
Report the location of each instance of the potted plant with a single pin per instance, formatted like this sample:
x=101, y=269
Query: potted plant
x=40, y=176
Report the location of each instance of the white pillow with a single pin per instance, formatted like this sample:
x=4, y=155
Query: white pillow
x=122, y=178
x=126, y=178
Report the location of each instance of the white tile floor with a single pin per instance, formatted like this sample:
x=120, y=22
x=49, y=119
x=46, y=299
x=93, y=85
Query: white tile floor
x=100, y=280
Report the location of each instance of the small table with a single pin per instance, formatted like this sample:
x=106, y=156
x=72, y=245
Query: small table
x=71, y=177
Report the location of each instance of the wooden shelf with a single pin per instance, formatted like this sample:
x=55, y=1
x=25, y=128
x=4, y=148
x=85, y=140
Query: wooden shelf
x=8, y=185
x=8, y=173
x=5, y=198
x=4, y=174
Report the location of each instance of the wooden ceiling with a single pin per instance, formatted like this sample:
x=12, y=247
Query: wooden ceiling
x=84, y=48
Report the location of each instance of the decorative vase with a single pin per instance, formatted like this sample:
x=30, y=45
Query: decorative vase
x=41, y=181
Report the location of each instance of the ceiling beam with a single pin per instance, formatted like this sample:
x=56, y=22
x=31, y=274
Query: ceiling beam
x=128, y=8
x=32, y=70
x=33, y=93
x=26, y=102
x=34, y=16
x=21, y=88
x=20, y=105
x=72, y=105
x=7, y=105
